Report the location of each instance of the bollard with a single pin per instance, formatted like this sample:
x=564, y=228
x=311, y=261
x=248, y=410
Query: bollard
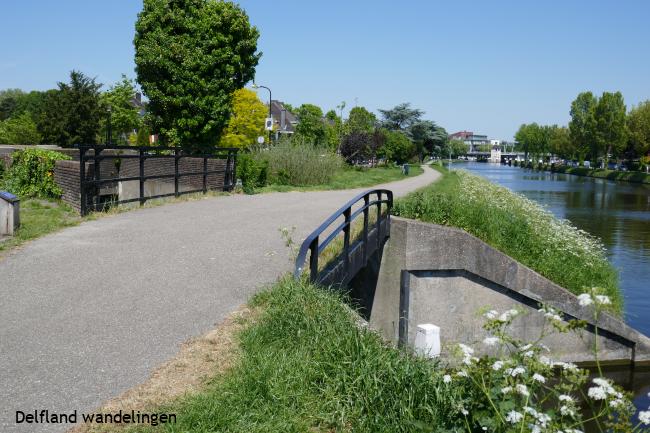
x=427, y=340
x=9, y=213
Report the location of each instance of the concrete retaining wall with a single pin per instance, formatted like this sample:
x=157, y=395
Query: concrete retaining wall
x=444, y=276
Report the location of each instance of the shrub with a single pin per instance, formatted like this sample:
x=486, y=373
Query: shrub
x=32, y=173
x=299, y=164
x=252, y=172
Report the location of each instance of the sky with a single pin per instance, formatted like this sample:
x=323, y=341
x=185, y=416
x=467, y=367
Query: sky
x=483, y=66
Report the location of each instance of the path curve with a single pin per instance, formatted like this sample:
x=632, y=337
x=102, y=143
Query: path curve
x=90, y=311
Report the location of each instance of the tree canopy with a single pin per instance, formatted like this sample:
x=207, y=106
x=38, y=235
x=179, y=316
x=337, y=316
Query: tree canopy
x=246, y=122
x=400, y=117
x=191, y=55
x=71, y=114
x=639, y=128
x=311, y=127
x=125, y=117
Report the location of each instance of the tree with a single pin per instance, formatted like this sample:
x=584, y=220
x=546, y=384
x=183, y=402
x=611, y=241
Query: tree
x=333, y=126
x=456, y=148
x=9, y=101
x=71, y=114
x=534, y=139
x=125, y=117
x=360, y=120
x=398, y=147
x=246, y=122
x=400, y=117
x=560, y=142
x=191, y=55
x=638, y=123
x=356, y=146
x=427, y=136
x=582, y=127
x=311, y=127
x=20, y=129
x=609, y=115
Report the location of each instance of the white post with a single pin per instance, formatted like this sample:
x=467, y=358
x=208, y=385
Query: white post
x=427, y=340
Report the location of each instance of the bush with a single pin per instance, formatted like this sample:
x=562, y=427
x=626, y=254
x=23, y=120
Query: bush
x=32, y=173
x=299, y=164
x=252, y=172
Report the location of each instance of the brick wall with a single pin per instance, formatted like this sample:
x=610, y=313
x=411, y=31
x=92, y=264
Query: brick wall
x=66, y=175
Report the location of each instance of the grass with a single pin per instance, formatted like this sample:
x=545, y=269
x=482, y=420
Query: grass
x=625, y=176
x=348, y=178
x=39, y=218
x=519, y=228
x=306, y=366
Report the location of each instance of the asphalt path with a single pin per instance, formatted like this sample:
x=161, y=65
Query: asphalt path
x=88, y=312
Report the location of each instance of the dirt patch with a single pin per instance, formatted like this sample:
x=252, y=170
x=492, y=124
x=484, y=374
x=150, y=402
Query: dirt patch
x=199, y=359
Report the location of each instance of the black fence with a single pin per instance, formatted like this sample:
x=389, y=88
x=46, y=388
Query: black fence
x=359, y=242
x=112, y=175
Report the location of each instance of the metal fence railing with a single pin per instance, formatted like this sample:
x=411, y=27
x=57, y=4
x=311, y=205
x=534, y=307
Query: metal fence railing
x=111, y=174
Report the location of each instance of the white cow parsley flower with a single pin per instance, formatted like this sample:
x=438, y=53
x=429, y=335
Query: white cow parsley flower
x=585, y=299
x=446, y=378
x=514, y=417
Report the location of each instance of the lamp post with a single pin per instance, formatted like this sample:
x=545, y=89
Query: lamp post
x=109, y=132
x=255, y=86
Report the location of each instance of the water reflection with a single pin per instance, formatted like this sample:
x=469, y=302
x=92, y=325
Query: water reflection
x=616, y=212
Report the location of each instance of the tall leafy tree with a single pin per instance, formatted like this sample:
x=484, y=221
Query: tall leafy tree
x=71, y=114
x=609, y=114
x=582, y=127
x=560, y=143
x=427, y=136
x=360, y=120
x=398, y=147
x=125, y=116
x=311, y=127
x=191, y=55
x=400, y=117
x=638, y=123
x=246, y=122
x=534, y=139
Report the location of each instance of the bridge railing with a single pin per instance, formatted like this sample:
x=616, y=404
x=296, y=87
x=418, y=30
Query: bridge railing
x=354, y=252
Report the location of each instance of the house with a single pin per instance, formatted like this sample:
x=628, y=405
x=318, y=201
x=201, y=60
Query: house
x=284, y=121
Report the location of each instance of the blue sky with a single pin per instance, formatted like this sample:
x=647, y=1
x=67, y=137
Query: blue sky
x=482, y=66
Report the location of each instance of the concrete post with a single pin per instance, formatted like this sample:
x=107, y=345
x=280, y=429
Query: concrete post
x=9, y=213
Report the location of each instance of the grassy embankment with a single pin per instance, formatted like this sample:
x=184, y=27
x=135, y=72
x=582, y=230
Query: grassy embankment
x=599, y=173
x=349, y=177
x=625, y=176
x=305, y=366
x=518, y=227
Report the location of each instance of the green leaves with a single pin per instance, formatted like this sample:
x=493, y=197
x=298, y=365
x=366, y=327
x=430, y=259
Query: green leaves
x=191, y=55
x=32, y=173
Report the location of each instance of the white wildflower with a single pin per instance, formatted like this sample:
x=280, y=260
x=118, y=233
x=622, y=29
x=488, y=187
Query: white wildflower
x=491, y=315
x=526, y=347
x=585, y=299
x=446, y=378
x=514, y=417
x=506, y=389
x=546, y=361
x=597, y=393
x=491, y=341
x=539, y=378
x=529, y=354
x=565, y=397
x=464, y=411
x=566, y=411
x=462, y=373
x=523, y=390
x=617, y=403
x=530, y=410
x=517, y=371
x=602, y=299
x=465, y=349
x=644, y=417
x=498, y=365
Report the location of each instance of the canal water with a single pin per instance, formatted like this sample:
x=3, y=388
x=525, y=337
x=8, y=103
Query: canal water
x=616, y=212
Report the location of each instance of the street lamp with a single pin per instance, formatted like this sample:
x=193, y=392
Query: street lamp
x=255, y=86
x=109, y=132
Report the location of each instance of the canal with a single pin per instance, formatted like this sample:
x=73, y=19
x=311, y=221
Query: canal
x=616, y=212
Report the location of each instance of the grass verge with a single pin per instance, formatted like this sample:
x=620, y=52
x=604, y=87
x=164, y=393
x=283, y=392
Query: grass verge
x=306, y=366
x=518, y=227
x=349, y=178
x=39, y=217
x=624, y=176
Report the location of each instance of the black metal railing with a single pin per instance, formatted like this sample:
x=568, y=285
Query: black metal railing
x=354, y=253
x=186, y=178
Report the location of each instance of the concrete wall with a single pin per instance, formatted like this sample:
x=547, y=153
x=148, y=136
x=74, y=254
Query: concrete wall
x=444, y=276
x=9, y=213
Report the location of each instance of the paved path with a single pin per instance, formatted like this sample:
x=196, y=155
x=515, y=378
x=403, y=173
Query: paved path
x=90, y=311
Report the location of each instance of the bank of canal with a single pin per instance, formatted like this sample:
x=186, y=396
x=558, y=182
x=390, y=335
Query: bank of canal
x=616, y=212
